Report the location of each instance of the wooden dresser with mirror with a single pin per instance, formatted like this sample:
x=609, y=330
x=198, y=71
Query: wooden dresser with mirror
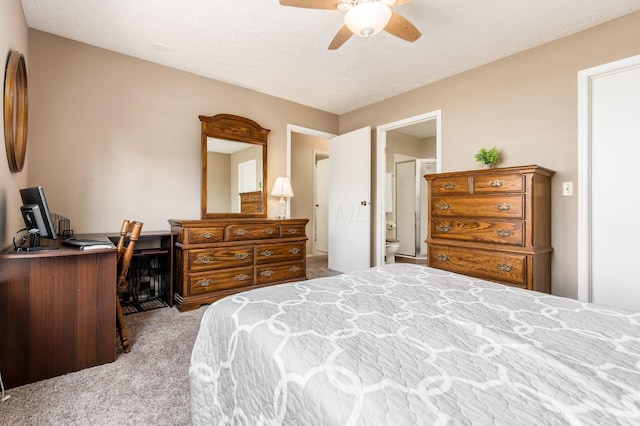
x=234, y=247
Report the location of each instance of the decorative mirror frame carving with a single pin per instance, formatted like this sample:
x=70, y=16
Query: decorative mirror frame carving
x=16, y=111
x=239, y=129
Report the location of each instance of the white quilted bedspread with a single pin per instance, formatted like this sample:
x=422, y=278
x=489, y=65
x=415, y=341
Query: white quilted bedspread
x=409, y=345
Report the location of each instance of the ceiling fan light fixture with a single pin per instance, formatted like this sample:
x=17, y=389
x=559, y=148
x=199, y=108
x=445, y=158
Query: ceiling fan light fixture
x=367, y=19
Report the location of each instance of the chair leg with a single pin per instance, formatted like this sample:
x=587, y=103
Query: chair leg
x=122, y=328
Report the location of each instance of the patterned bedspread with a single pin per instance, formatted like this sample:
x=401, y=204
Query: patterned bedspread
x=405, y=345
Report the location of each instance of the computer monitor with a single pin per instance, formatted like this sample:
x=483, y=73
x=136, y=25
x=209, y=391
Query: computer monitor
x=37, y=218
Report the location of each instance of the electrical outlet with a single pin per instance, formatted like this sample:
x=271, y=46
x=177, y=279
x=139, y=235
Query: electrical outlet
x=567, y=189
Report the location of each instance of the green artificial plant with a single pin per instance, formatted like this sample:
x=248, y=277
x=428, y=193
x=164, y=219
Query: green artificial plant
x=487, y=156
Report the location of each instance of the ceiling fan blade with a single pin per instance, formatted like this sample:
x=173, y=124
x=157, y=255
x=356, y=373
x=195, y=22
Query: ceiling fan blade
x=312, y=4
x=343, y=35
x=402, y=28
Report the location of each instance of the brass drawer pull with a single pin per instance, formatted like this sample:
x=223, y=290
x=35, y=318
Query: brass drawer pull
x=449, y=186
x=293, y=231
x=443, y=228
x=441, y=257
x=295, y=268
x=207, y=235
x=295, y=250
x=269, y=231
x=505, y=267
x=205, y=282
x=266, y=253
x=496, y=183
x=504, y=233
x=241, y=277
x=241, y=256
x=266, y=273
x=443, y=206
x=240, y=232
x=503, y=206
x=204, y=260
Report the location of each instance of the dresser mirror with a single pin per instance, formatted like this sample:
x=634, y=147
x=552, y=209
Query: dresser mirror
x=234, y=167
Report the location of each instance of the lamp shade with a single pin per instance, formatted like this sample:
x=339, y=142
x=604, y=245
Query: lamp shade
x=282, y=188
x=367, y=19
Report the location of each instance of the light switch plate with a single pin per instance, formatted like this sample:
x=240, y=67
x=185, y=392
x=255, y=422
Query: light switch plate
x=567, y=189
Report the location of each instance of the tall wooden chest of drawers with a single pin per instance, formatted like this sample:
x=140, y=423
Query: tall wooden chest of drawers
x=218, y=257
x=493, y=224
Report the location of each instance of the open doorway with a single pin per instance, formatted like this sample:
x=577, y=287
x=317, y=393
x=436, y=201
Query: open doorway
x=320, y=237
x=415, y=139
x=307, y=169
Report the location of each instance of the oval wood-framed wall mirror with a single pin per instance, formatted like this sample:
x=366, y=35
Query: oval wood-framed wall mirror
x=16, y=111
x=234, y=167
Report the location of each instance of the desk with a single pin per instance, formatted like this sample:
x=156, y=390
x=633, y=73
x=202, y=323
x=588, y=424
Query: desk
x=57, y=312
x=160, y=240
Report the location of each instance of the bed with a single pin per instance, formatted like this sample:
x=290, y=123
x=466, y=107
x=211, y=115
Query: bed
x=405, y=344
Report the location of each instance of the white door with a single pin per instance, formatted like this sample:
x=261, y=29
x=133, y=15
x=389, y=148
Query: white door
x=350, y=201
x=321, y=233
x=247, y=176
x=615, y=198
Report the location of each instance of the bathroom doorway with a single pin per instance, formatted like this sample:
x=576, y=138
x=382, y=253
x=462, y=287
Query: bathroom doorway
x=411, y=206
x=411, y=139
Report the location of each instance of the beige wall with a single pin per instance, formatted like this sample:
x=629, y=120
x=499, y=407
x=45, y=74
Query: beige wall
x=13, y=36
x=218, y=182
x=115, y=137
x=526, y=105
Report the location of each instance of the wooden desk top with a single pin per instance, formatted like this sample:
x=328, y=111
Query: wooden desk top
x=61, y=250
x=9, y=253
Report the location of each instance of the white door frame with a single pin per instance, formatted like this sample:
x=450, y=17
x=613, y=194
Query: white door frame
x=585, y=78
x=381, y=167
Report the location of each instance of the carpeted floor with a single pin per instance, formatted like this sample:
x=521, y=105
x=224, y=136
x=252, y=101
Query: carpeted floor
x=148, y=386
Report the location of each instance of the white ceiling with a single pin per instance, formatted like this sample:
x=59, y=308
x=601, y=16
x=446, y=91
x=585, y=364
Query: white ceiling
x=282, y=51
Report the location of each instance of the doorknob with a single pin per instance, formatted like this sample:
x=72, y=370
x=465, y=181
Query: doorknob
x=364, y=203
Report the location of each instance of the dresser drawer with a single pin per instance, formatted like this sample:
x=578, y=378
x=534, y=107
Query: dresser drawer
x=259, y=231
x=269, y=273
x=251, y=202
x=221, y=257
x=251, y=208
x=497, y=232
x=271, y=253
x=498, y=206
x=451, y=185
x=501, y=267
x=499, y=182
x=251, y=197
x=287, y=231
x=205, y=282
x=203, y=235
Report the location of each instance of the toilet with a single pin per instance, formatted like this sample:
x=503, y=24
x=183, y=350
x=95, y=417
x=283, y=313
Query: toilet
x=391, y=248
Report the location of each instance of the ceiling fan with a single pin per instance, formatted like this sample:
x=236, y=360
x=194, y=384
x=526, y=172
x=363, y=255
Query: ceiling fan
x=363, y=18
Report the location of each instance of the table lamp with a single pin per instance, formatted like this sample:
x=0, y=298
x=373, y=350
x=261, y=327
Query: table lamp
x=282, y=188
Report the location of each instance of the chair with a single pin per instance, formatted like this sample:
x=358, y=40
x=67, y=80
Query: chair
x=128, y=236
